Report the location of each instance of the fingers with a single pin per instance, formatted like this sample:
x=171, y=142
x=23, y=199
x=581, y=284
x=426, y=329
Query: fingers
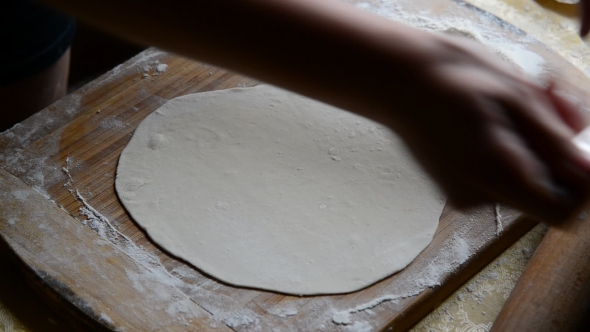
x=568, y=107
x=507, y=171
x=571, y=111
x=549, y=131
x=525, y=181
x=527, y=160
x=515, y=141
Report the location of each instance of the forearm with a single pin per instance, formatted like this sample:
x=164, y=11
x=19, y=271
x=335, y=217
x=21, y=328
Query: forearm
x=323, y=49
x=486, y=132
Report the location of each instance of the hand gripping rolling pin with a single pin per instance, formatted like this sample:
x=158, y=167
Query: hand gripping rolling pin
x=553, y=293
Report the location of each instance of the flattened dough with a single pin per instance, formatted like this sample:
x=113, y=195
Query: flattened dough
x=262, y=188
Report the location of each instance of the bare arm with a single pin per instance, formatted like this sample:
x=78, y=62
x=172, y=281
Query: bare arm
x=303, y=45
x=483, y=131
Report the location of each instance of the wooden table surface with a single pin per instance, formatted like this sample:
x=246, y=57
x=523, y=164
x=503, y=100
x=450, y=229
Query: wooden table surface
x=62, y=220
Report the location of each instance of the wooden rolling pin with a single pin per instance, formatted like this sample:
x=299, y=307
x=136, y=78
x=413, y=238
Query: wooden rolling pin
x=554, y=291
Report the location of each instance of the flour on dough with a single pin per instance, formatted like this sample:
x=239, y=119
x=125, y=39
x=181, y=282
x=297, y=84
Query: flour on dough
x=262, y=188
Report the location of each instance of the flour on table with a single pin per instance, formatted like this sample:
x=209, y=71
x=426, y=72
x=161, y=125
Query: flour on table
x=263, y=188
x=161, y=68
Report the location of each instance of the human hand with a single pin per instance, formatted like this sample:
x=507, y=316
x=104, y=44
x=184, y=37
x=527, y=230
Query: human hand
x=488, y=133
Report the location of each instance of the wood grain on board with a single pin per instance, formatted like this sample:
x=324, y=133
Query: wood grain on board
x=63, y=221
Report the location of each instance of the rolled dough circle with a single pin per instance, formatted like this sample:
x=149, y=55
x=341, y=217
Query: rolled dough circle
x=263, y=188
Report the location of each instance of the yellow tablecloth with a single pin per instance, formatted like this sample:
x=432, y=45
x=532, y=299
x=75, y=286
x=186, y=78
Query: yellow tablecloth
x=474, y=306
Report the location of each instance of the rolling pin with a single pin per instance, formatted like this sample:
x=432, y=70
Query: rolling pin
x=553, y=293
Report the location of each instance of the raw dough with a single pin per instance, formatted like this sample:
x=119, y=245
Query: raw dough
x=262, y=188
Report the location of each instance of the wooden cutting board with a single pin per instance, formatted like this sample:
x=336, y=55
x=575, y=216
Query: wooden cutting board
x=61, y=218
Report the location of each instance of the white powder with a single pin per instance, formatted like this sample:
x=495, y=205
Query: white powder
x=236, y=320
x=178, y=307
x=283, y=311
x=113, y=123
x=30, y=170
x=162, y=68
x=499, y=225
x=21, y=195
x=72, y=104
x=530, y=62
x=452, y=255
x=106, y=319
x=456, y=250
x=141, y=60
x=343, y=317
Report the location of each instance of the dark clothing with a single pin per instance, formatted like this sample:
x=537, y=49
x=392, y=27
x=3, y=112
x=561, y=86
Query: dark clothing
x=32, y=38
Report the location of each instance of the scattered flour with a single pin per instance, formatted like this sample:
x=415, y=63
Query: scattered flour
x=113, y=123
x=283, y=311
x=178, y=307
x=106, y=319
x=32, y=171
x=21, y=195
x=530, y=62
x=140, y=62
x=343, y=317
x=152, y=278
x=158, y=68
x=161, y=68
x=499, y=225
x=454, y=253
x=25, y=135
